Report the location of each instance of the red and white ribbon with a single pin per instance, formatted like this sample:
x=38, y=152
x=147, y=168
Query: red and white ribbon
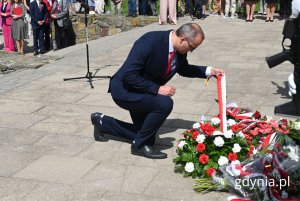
x=221, y=87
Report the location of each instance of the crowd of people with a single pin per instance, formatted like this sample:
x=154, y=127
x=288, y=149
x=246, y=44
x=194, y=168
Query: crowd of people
x=21, y=18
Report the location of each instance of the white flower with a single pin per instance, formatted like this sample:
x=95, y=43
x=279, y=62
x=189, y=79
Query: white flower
x=189, y=167
x=240, y=134
x=236, y=162
x=196, y=126
x=236, y=148
x=223, y=160
x=231, y=122
x=200, y=138
x=219, y=142
x=181, y=144
x=292, y=153
x=215, y=121
x=297, y=125
x=228, y=134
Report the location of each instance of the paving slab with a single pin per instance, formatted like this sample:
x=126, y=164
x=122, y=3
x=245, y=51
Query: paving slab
x=47, y=150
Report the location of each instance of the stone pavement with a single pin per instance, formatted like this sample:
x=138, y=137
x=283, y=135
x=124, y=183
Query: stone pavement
x=47, y=150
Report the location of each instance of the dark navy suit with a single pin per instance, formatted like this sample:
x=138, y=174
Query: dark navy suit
x=135, y=87
x=38, y=14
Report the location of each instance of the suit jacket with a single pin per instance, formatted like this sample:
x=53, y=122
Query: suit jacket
x=142, y=72
x=8, y=19
x=37, y=14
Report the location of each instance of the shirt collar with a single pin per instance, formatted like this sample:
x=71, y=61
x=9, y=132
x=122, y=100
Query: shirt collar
x=171, y=48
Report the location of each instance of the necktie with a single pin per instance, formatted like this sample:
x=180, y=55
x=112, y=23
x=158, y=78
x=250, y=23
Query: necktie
x=40, y=6
x=169, y=64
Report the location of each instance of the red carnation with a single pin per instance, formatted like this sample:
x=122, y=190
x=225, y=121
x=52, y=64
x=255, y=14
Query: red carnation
x=203, y=158
x=210, y=171
x=235, y=128
x=200, y=147
x=257, y=115
x=232, y=156
x=207, y=128
x=195, y=134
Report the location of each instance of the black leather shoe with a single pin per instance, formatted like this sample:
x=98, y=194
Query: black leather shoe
x=35, y=53
x=148, y=152
x=98, y=135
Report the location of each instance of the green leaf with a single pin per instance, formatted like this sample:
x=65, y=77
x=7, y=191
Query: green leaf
x=206, y=167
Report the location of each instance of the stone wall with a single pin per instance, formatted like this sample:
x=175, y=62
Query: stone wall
x=104, y=25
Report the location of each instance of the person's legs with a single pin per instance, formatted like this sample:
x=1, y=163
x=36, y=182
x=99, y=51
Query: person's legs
x=268, y=12
x=252, y=11
x=132, y=7
x=119, y=8
x=247, y=11
x=35, y=40
x=227, y=5
x=272, y=9
x=163, y=12
x=9, y=44
x=41, y=40
x=159, y=108
x=22, y=46
x=147, y=115
x=216, y=6
x=172, y=12
x=113, y=7
x=233, y=8
x=47, y=36
x=18, y=45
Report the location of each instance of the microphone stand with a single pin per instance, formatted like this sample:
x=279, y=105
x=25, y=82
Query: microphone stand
x=89, y=74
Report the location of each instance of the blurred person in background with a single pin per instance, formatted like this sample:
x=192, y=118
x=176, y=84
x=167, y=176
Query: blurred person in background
x=6, y=20
x=64, y=37
x=270, y=10
x=18, y=30
x=167, y=12
x=250, y=8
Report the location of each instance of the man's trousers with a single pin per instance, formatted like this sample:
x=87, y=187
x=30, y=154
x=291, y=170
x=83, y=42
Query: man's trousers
x=147, y=116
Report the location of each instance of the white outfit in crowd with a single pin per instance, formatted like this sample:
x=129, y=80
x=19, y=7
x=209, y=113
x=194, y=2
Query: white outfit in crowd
x=230, y=4
x=99, y=6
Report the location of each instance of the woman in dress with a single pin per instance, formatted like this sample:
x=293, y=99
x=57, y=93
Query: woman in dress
x=270, y=10
x=18, y=30
x=5, y=7
x=250, y=8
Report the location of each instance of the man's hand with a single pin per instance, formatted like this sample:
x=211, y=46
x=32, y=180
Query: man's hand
x=217, y=71
x=292, y=85
x=54, y=16
x=41, y=22
x=167, y=90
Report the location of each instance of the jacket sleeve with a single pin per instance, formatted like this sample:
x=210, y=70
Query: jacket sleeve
x=31, y=12
x=64, y=9
x=187, y=70
x=134, y=68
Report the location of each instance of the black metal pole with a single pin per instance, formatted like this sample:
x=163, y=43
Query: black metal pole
x=88, y=75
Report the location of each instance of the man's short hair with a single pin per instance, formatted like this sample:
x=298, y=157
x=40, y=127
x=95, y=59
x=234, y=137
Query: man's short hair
x=190, y=30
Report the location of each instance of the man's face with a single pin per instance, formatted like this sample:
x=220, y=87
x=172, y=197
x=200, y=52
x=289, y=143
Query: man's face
x=189, y=45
